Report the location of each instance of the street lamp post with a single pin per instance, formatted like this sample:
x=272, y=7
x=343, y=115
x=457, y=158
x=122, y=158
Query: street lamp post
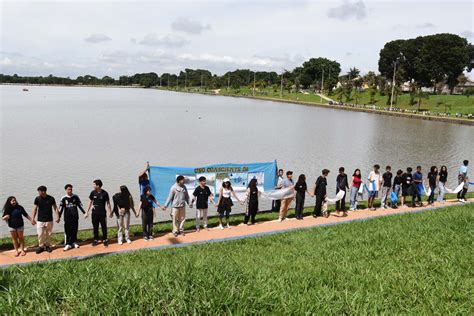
x=393, y=84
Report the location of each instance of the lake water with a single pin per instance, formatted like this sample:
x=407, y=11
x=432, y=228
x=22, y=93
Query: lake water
x=59, y=135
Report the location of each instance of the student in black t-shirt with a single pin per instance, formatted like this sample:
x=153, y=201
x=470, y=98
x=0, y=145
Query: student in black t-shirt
x=202, y=194
x=44, y=205
x=320, y=193
x=251, y=202
x=386, y=186
x=442, y=180
x=397, y=185
x=69, y=205
x=432, y=182
x=407, y=185
x=100, y=200
x=13, y=214
x=341, y=185
x=301, y=189
x=147, y=208
x=143, y=179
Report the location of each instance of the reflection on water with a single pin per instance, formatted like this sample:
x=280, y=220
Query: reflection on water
x=57, y=135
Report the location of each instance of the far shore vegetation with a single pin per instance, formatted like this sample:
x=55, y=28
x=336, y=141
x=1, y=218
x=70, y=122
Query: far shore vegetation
x=424, y=74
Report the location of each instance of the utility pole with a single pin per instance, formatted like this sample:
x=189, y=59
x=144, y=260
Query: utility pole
x=393, y=83
x=281, y=86
x=253, y=92
x=322, y=86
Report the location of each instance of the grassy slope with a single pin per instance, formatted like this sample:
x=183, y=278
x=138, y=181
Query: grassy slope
x=455, y=103
x=414, y=263
x=165, y=227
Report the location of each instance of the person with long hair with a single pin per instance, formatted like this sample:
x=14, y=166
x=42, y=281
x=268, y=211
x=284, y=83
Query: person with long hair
x=146, y=207
x=442, y=180
x=355, y=186
x=13, y=214
x=123, y=203
x=224, y=203
x=432, y=179
x=251, y=202
x=301, y=189
x=397, y=185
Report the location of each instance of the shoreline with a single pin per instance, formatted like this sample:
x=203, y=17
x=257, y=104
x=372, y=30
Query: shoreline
x=461, y=121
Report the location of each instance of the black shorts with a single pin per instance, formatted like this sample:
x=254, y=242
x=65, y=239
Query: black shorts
x=225, y=206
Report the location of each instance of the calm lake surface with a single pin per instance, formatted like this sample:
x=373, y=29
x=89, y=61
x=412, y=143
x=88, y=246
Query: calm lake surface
x=59, y=135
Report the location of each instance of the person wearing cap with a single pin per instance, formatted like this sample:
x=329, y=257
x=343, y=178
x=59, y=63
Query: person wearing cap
x=178, y=197
x=224, y=204
x=286, y=201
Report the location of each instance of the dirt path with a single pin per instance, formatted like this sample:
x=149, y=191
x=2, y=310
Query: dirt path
x=212, y=235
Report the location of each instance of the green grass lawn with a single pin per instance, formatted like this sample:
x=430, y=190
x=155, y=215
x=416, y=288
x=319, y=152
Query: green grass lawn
x=435, y=103
x=418, y=263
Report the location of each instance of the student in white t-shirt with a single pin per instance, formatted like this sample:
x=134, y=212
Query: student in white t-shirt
x=375, y=181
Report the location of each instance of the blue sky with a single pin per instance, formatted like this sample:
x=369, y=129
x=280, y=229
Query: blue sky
x=71, y=38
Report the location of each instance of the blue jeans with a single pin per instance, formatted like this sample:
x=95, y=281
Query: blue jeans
x=353, y=198
x=441, y=192
x=397, y=190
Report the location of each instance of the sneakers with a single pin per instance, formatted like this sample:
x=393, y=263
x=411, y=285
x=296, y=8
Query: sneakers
x=67, y=247
x=198, y=229
x=94, y=243
x=280, y=220
x=120, y=242
x=228, y=226
x=221, y=227
x=150, y=237
x=145, y=238
x=39, y=250
x=129, y=241
x=175, y=234
x=106, y=243
x=205, y=227
x=462, y=200
x=76, y=245
x=48, y=249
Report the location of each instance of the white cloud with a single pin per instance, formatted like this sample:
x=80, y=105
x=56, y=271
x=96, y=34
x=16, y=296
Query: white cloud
x=468, y=34
x=169, y=40
x=97, y=38
x=348, y=10
x=186, y=25
x=425, y=26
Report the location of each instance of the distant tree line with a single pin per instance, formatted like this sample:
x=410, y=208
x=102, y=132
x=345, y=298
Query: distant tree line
x=425, y=61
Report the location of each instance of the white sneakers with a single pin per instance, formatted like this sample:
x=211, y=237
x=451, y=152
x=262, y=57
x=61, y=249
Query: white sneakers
x=120, y=242
x=462, y=200
x=67, y=247
x=76, y=245
x=221, y=227
x=129, y=241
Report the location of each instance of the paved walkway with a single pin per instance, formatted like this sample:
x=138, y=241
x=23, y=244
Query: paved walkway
x=212, y=235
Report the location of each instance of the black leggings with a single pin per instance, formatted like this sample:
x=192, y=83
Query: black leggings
x=431, y=197
x=102, y=220
x=251, y=214
x=70, y=230
x=147, y=222
x=299, y=207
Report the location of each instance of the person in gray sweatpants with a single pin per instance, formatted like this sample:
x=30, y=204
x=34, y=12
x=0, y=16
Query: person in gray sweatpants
x=178, y=197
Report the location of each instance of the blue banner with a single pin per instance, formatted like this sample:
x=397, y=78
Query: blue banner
x=162, y=178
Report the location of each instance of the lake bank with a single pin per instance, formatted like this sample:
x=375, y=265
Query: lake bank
x=356, y=108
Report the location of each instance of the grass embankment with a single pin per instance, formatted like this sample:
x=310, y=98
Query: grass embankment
x=165, y=227
x=435, y=103
x=419, y=263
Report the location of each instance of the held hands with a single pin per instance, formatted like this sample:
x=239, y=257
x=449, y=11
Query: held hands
x=191, y=205
x=33, y=222
x=86, y=215
x=57, y=220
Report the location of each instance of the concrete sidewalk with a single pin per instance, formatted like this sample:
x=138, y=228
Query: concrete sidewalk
x=204, y=236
